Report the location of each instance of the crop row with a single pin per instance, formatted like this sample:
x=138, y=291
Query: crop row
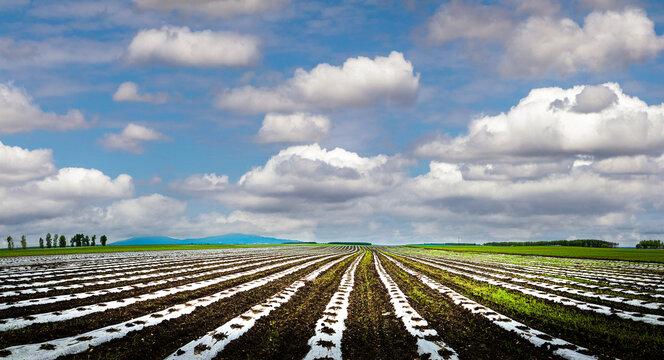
x=334, y=303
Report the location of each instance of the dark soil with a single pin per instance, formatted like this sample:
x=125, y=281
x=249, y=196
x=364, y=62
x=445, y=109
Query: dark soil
x=284, y=333
x=471, y=336
x=612, y=304
x=157, y=342
x=372, y=329
x=61, y=305
x=623, y=338
x=54, y=330
x=102, y=286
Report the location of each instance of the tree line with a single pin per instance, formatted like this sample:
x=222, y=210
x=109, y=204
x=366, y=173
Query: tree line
x=581, y=242
x=54, y=241
x=650, y=244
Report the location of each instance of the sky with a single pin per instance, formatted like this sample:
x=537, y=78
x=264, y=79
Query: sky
x=386, y=121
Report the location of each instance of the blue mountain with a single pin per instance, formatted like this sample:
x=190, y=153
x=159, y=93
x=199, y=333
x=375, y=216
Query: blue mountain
x=228, y=239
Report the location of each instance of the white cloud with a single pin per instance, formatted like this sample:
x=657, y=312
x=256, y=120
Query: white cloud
x=142, y=211
x=297, y=127
x=607, y=40
x=18, y=113
x=310, y=171
x=69, y=183
x=547, y=124
x=128, y=91
x=594, y=99
x=202, y=183
x=457, y=20
x=20, y=165
x=640, y=164
x=220, y=8
x=131, y=139
x=68, y=191
x=358, y=82
x=181, y=46
x=304, y=178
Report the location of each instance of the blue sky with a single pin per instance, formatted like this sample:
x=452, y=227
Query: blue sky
x=388, y=121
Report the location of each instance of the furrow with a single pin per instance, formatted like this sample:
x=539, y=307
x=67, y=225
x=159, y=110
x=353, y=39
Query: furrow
x=208, y=346
x=79, y=343
x=429, y=342
x=600, y=309
x=62, y=315
x=326, y=344
x=538, y=338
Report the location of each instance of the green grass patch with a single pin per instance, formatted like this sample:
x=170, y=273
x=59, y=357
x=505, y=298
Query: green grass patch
x=651, y=255
x=603, y=334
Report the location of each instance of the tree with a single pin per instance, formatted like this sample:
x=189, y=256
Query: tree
x=72, y=241
x=103, y=240
x=10, y=242
x=86, y=240
x=94, y=238
x=24, y=242
x=63, y=241
x=650, y=244
x=48, y=240
x=55, y=240
x=41, y=243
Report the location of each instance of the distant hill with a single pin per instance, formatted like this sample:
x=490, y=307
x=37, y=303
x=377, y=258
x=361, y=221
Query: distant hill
x=228, y=239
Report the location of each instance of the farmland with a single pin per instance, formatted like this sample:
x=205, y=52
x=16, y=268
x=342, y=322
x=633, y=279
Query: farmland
x=328, y=302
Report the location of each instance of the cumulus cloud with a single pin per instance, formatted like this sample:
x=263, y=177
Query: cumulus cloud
x=19, y=165
x=38, y=198
x=544, y=43
x=543, y=168
x=202, y=183
x=607, y=40
x=457, y=20
x=220, y=8
x=360, y=81
x=67, y=191
x=181, y=46
x=128, y=91
x=594, y=99
x=640, y=164
x=310, y=171
x=69, y=183
x=554, y=122
x=131, y=139
x=19, y=113
x=304, y=178
x=480, y=198
x=297, y=127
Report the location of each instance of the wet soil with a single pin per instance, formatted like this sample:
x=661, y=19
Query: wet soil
x=54, y=330
x=372, y=329
x=623, y=338
x=284, y=333
x=159, y=341
x=470, y=335
x=61, y=305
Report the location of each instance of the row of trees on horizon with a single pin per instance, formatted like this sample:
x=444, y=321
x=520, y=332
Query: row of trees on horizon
x=650, y=244
x=60, y=241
